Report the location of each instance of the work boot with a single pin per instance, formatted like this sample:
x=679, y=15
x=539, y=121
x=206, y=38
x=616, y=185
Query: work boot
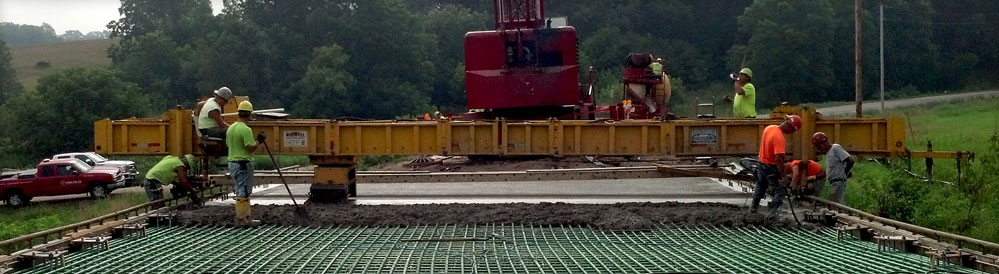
x=754, y=208
x=773, y=213
x=243, y=213
x=247, y=223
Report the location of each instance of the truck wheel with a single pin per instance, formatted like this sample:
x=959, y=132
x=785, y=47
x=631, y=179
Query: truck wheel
x=98, y=191
x=15, y=199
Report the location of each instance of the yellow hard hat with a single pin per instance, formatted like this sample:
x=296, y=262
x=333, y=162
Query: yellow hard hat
x=245, y=106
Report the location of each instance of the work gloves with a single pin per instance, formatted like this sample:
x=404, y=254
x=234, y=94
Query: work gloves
x=195, y=200
x=178, y=191
x=261, y=138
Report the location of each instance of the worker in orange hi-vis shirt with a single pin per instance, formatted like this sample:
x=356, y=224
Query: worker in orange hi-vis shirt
x=808, y=182
x=771, y=155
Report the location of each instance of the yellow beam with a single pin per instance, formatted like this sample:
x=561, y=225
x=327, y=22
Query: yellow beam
x=174, y=134
x=939, y=154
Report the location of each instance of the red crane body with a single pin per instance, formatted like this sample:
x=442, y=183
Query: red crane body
x=528, y=69
x=524, y=68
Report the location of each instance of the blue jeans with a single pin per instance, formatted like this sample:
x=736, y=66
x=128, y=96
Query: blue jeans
x=817, y=190
x=764, y=177
x=154, y=190
x=837, y=190
x=242, y=175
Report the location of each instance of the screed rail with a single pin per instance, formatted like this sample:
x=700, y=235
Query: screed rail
x=57, y=238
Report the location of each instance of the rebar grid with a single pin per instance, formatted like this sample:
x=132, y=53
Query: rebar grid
x=488, y=249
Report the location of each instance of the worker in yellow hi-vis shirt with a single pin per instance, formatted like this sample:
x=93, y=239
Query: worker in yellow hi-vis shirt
x=239, y=139
x=657, y=68
x=744, y=105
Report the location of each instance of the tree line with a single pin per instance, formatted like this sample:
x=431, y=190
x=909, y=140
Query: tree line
x=387, y=58
x=391, y=58
x=25, y=35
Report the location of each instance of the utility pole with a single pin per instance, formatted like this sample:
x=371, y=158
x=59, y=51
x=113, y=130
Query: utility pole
x=882, y=16
x=859, y=98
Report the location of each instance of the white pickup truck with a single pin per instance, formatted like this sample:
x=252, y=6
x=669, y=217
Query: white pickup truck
x=128, y=168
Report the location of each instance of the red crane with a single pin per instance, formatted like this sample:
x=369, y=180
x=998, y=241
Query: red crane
x=526, y=68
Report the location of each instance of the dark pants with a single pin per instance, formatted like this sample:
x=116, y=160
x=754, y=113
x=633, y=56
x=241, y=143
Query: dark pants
x=154, y=190
x=216, y=132
x=178, y=191
x=765, y=176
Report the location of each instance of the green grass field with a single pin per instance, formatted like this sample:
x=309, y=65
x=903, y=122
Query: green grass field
x=46, y=215
x=969, y=206
x=90, y=53
x=42, y=216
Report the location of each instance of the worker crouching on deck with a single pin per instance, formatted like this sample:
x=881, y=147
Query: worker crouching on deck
x=806, y=178
x=771, y=156
x=167, y=171
x=239, y=139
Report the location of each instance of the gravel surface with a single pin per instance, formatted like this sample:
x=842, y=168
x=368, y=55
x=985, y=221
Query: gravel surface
x=623, y=216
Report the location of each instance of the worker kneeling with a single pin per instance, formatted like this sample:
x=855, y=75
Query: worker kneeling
x=167, y=171
x=239, y=139
x=806, y=179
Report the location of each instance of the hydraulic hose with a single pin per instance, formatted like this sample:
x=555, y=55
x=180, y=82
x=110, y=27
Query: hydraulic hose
x=790, y=203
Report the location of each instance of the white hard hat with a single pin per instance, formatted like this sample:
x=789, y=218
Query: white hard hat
x=224, y=92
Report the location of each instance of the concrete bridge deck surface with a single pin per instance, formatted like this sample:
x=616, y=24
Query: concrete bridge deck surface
x=580, y=191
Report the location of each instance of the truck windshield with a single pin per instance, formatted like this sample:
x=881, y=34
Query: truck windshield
x=97, y=157
x=82, y=167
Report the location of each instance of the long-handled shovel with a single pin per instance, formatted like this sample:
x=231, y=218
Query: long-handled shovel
x=300, y=211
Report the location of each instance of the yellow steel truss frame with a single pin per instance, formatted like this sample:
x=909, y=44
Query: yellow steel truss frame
x=174, y=134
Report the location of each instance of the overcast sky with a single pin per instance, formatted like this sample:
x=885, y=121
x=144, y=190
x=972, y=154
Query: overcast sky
x=63, y=15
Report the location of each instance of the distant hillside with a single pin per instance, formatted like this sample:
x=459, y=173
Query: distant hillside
x=90, y=53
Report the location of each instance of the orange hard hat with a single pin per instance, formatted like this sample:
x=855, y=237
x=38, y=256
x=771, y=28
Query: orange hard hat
x=819, y=138
x=795, y=121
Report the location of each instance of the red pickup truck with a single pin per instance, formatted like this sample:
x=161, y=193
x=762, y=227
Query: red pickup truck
x=60, y=177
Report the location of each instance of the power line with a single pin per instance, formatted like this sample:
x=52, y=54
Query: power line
x=941, y=18
x=942, y=13
x=944, y=23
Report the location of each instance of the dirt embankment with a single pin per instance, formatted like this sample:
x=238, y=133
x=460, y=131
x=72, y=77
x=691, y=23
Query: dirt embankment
x=624, y=216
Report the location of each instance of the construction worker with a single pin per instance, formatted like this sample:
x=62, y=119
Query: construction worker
x=839, y=166
x=806, y=178
x=771, y=155
x=167, y=171
x=239, y=139
x=210, y=121
x=744, y=104
x=657, y=68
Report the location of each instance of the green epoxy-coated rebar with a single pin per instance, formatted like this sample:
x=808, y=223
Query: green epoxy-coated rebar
x=488, y=249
